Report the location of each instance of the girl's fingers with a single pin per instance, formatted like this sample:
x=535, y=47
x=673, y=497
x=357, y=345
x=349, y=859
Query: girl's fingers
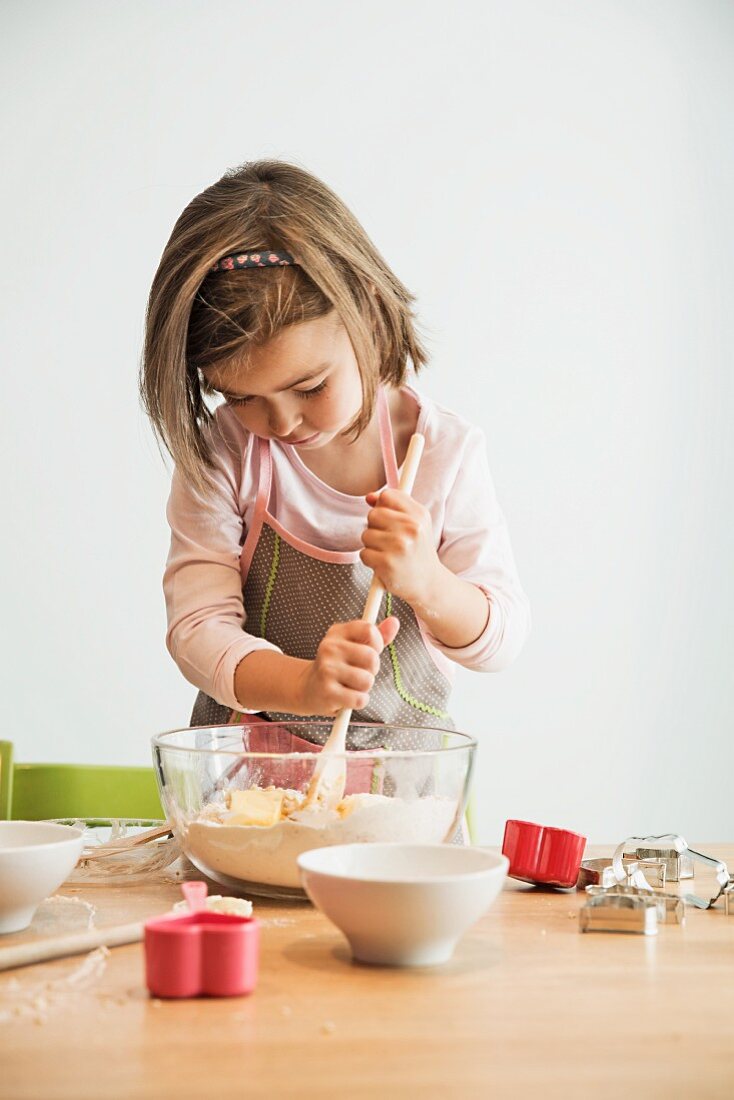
x=394, y=499
x=356, y=700
x=377, y=540
x=370, y=558
x=389, y=628
x=362, y=633
x=382, y=519
x=356, y=679
x=352, y=676
x=361, y=656
x=343, y=697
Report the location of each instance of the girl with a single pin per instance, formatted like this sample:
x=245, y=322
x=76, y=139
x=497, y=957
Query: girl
x=271, y=296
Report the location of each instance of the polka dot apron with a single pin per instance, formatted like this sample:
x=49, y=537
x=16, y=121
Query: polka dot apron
x=293, y=592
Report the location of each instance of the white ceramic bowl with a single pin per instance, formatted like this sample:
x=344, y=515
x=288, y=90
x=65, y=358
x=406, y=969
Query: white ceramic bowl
x=35, y=858
x=402, y=904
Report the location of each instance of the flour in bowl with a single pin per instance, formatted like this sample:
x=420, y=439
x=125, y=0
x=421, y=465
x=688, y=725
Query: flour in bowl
x=221, y=840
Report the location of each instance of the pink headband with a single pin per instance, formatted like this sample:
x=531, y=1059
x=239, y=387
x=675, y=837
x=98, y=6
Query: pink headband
x=266, y=258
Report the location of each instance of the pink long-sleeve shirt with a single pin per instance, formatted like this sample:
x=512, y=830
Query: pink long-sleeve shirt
x=207, y=628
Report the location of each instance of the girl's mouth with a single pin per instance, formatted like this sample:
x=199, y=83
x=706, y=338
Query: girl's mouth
x=300, y=442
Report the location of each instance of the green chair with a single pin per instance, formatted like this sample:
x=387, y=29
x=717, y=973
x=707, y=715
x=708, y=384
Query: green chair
x=32, y=792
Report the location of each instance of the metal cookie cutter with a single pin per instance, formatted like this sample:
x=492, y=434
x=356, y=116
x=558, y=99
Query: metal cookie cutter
x=670, y=849
x=679, y=859
x=600, y=872
x=614, y=912
x=670, y=909
x=723, y=881
x=729, y=899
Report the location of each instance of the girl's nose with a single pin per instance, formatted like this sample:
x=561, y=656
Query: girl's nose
x=281, y=422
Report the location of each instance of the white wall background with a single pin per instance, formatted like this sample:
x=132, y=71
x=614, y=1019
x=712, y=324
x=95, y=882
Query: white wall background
x=581, y=156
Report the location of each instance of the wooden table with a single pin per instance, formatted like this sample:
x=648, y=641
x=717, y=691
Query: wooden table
x=527, y=1007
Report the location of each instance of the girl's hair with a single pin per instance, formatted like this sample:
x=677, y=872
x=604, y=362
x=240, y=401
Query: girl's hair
x=197, y=318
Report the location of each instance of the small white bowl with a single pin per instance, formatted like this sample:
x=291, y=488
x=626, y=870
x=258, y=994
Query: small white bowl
x=402, y=904
x=35, y=858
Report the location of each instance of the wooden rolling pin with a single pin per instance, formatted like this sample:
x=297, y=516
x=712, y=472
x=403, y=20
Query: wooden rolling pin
x=25, y=954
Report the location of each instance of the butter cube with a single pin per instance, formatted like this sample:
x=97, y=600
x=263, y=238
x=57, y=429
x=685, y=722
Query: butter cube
x=255, y=807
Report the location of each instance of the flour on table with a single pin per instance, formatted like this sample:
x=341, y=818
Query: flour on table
x=35, y=1000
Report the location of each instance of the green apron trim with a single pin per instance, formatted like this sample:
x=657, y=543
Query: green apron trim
x=398, y=678
x=270, y=585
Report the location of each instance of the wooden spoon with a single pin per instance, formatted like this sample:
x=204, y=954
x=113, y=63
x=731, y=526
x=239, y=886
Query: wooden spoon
x=330, y=774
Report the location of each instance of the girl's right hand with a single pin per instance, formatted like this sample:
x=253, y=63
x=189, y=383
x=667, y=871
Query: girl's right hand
x=344, y=668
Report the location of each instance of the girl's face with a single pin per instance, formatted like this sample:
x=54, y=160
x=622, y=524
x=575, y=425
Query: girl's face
x=302, y=387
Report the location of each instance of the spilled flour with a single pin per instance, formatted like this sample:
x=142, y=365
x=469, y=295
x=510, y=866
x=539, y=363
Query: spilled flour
x=59, y=914
x=21, y=1000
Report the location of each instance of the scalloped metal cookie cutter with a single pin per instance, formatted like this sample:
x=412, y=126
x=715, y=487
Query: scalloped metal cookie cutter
x=678, y=858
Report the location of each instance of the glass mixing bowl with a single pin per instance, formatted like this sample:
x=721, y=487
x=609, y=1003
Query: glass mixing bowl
x=404, y=783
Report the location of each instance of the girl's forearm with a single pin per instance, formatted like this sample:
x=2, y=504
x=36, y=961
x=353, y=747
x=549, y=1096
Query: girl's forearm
x=267, y=680
x=455, y=611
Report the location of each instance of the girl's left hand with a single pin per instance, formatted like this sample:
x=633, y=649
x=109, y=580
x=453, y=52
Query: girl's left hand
x=399, y=546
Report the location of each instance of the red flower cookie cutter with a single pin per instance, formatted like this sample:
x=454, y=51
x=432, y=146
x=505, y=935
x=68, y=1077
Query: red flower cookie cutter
x=542, y=854
x=201, y=953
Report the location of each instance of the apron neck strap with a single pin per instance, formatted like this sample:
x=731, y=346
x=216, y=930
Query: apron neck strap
x=387, y=440
x=264, y=480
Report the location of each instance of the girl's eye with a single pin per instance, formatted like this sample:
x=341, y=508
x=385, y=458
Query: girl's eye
x=312, y=393
x=305, y=394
